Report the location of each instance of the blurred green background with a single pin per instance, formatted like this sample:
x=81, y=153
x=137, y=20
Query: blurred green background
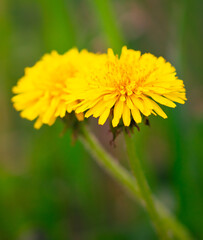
x=51, y=189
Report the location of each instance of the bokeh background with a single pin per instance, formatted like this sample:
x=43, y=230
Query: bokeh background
x=51, y=189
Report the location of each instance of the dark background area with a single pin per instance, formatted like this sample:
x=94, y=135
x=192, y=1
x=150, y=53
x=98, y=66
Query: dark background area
x=51, y=189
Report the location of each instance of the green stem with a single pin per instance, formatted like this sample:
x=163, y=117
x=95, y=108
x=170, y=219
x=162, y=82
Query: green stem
x=108, y=163
x=144, y=189
x=127, y=181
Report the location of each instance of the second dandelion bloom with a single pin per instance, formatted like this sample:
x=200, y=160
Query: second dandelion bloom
x=128, y=88
x=43, y=93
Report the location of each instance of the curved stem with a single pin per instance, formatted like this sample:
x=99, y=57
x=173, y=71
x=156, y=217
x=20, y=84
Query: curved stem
x=145, y=190
x=109, y=164
x=127, y=181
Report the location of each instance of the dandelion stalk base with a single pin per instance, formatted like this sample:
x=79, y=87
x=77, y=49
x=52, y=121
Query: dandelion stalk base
x=145, y=190
x=129, y=183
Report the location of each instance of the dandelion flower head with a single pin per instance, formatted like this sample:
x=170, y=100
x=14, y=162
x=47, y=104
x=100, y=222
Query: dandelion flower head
x=128, y=87
x=42, y=93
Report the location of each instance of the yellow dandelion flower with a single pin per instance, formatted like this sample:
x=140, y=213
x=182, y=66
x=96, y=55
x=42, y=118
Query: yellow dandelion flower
x=42, y=92
x=128, y=87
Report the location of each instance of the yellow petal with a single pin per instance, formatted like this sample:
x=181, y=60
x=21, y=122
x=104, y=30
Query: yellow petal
x=174, y=98
x=162, y=100
x=38, y=123
x=147, y=109
x=118, y=110
x=110, y=53
x=51, y=120
x=129, y=103
x=136, y=115
x=147, y=102
x=126, y=115
x=94, y=110
x=110, y=102
x=49, y=115
x=84, y=105
x=104, y=116
x=141, y=105
x=32, y=111
x=61, y=110
x=137, y=102
x=158, y=110
x=79, y=116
